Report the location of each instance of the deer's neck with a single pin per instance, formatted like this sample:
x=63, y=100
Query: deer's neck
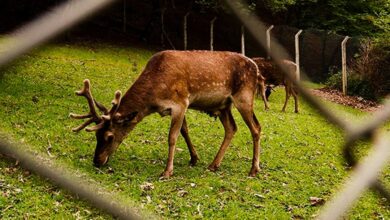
x=135, y=100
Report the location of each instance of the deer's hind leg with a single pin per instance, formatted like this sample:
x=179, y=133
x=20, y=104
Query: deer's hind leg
x=261, y=92
x=230, y=127
x=184, y=133
x=288, y=94
x=295, y=95
x=244, y=104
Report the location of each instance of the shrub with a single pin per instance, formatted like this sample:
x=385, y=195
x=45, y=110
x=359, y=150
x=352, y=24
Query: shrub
x=372, y=65
x=355, y=86
x=369, y=75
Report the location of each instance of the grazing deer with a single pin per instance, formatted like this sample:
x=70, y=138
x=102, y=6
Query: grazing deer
x=274, y=75
x=171, y=83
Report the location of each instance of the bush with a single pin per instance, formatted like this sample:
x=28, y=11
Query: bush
x=372, y=65
x=355, y=86
x=369, y=75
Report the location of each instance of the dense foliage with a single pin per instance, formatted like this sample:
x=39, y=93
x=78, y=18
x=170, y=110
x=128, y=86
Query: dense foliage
x=351, y=17
x=356, y=86
x=369, y=75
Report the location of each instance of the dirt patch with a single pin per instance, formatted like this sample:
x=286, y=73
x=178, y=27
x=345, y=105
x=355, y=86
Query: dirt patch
x=353, y=101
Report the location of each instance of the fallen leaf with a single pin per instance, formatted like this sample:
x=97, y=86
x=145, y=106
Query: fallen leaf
x=198, y=209
x=258, y=206
x=149, y=199
x=182, y=193
x=146, y=186
x=259, y=196
x=315, y=201
x=110, y=170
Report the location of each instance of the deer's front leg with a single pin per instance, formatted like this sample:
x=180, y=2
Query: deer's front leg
x=230, y=127
x=176, y=123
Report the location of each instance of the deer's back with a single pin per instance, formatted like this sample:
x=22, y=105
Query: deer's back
x=272, y=73
x=206, y=79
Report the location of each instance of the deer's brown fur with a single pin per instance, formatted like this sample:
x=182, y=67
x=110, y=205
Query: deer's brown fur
x=174, y=81
x=274, y=75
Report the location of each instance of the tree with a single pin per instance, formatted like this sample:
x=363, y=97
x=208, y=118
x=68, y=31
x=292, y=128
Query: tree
x=348, y=17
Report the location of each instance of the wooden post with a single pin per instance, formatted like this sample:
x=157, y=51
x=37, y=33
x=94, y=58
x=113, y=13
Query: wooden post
x=298, y=72
x=162, y=26
x=124, y=16
x=242, y=40
x=344, y=65
x=268, y=33
x=212, y=33
x=185, y=30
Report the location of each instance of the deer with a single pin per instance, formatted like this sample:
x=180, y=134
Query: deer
x=274, y=75
x=171, y=83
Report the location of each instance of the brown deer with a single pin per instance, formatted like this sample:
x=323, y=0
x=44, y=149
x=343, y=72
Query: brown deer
x=274, y=75
x=171, y=83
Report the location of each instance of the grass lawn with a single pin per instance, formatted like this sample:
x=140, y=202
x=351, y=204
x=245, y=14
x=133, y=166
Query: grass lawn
x=300, y=158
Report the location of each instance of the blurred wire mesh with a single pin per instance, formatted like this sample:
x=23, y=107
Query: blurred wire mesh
x=366, y=173
x=364, y=176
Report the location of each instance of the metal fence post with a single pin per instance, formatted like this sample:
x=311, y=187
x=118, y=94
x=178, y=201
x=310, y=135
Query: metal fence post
x=344, y=64
x=269, y=41
x=242, y=40
x=212, y=33
x=298, y=72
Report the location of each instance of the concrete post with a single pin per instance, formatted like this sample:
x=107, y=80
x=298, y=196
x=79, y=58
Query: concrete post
x=344, y=65
x=268, y=33
x=298, y=72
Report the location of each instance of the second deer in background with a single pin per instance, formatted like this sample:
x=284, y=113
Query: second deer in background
x=274, y=75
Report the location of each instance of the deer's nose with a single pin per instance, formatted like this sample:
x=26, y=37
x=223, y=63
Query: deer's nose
x=96, y=164
x=99, y=163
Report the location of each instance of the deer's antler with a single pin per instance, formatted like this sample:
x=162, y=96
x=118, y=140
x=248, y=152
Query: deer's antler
x=92, y=115
x=115, y=102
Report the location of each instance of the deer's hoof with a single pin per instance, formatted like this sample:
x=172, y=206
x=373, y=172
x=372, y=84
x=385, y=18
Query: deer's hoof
x=194, y=160
x=213, y=167
x=254, y=171
x=166, y=174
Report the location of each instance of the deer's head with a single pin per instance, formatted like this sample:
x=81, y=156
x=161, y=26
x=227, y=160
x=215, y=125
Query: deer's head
x=111, y=127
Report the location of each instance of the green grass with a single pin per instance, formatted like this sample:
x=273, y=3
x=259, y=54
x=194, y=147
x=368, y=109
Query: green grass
x=300, y=158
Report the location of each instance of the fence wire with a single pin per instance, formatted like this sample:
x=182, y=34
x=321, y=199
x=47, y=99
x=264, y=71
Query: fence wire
x=27, y=38
x=365, y=175
x=60, y=177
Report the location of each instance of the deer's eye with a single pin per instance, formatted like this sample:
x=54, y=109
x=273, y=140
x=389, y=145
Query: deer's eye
x=119, y=121
x=126, y=120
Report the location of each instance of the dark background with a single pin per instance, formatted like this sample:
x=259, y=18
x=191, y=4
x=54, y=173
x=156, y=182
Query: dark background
x=320, y=50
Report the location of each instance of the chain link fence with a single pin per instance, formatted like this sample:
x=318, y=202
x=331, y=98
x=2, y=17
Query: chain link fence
x=364, y=176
